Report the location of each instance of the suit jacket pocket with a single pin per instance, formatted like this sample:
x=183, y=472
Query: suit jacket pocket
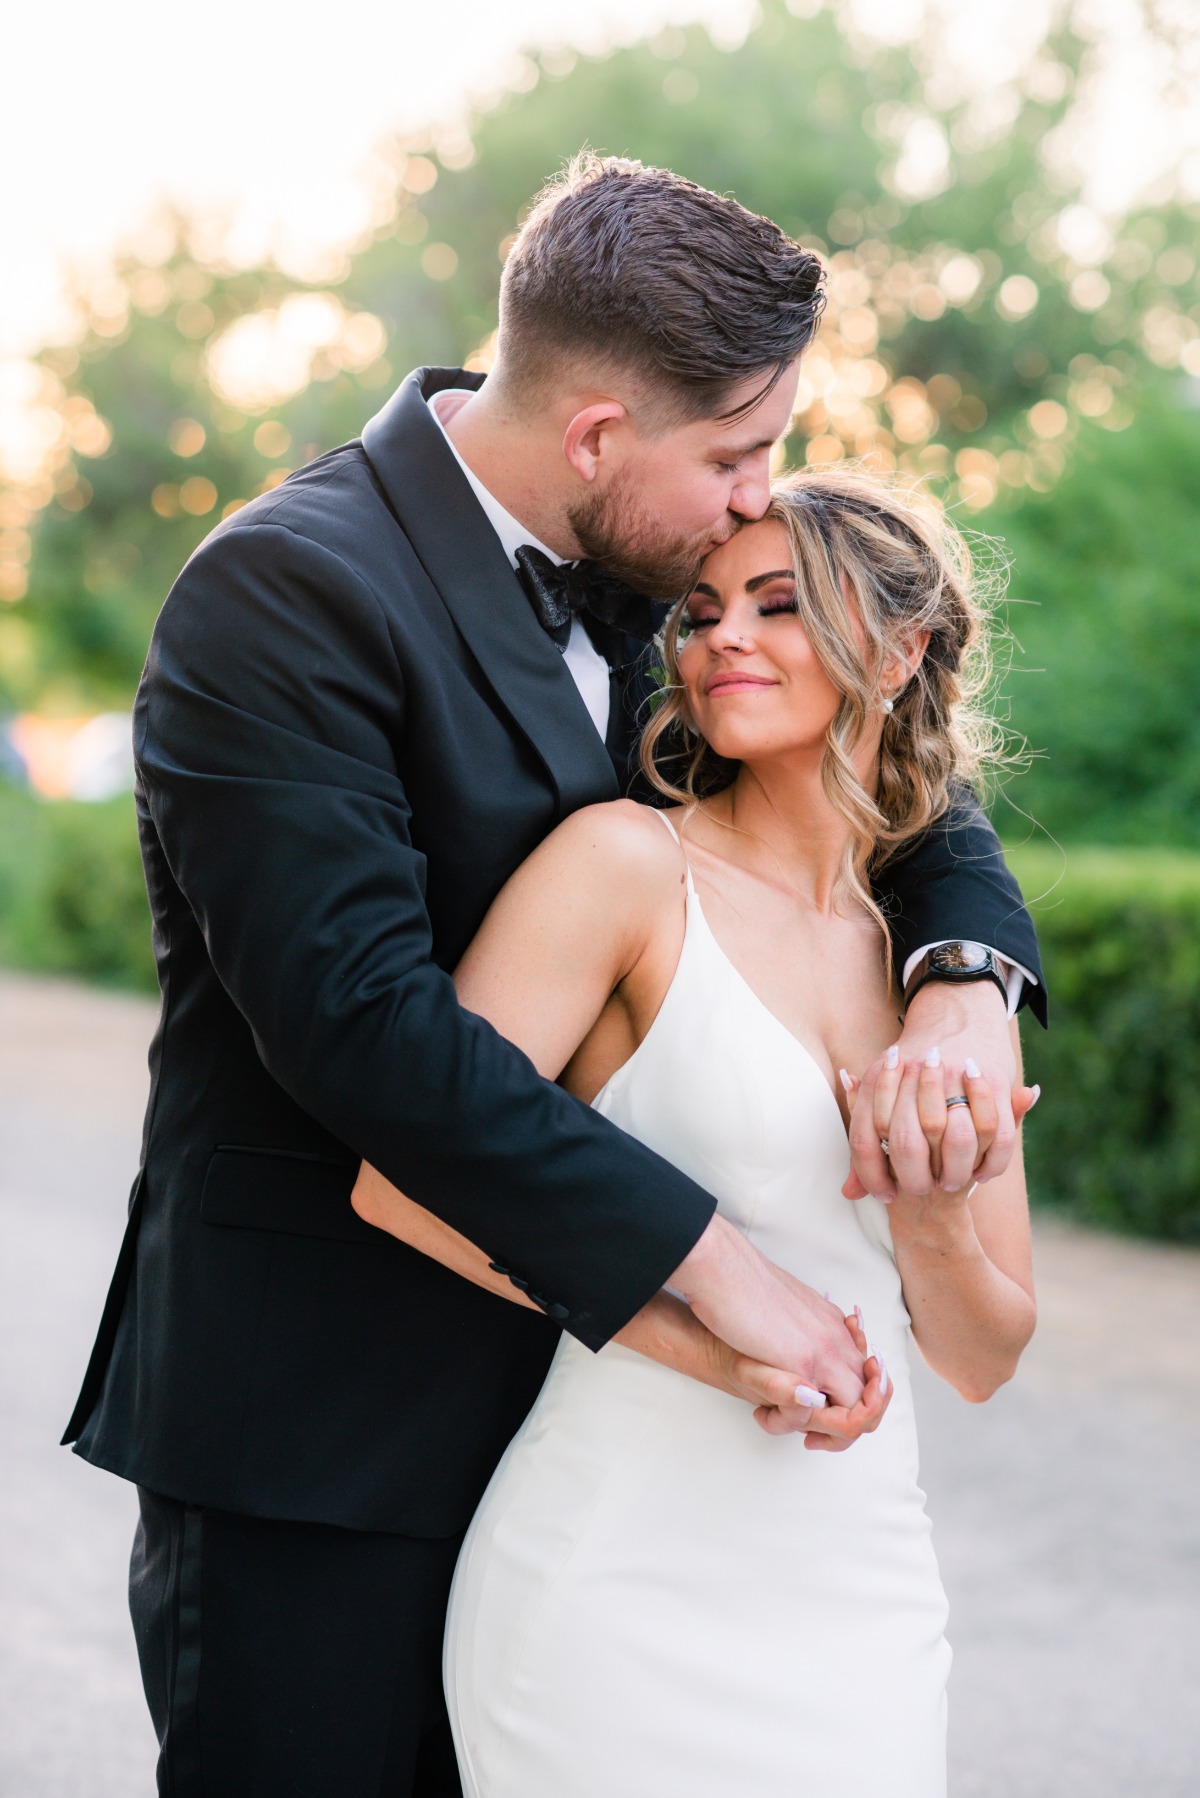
x=279, y=1189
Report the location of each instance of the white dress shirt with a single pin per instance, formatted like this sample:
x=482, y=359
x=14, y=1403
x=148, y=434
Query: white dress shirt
x=589, y=670
x=585, y=664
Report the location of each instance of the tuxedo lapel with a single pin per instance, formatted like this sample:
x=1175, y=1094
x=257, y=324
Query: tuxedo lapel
x=462, y=557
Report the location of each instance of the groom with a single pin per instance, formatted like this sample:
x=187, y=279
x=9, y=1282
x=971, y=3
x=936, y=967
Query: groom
x=369, y=695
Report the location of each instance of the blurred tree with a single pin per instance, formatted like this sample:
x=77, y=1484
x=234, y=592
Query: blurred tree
x=1106, y=625
x=980, y=316
x=161, y=421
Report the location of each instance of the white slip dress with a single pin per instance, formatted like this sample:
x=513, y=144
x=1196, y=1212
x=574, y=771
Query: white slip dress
x=655, y=1598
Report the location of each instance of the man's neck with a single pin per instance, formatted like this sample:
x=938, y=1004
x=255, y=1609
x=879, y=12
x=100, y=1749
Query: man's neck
x=513, y=463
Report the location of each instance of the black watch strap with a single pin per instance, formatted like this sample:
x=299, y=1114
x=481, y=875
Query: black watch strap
x=957, y=964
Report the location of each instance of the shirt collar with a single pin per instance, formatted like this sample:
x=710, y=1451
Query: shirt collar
x=511, y=532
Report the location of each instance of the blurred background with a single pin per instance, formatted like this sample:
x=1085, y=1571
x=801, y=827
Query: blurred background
x=228, y=236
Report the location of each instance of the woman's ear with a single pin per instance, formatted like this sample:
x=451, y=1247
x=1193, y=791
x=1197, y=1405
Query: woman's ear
x=584, y=442
x=903, y=663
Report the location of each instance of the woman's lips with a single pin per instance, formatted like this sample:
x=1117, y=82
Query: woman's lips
x=735, y=683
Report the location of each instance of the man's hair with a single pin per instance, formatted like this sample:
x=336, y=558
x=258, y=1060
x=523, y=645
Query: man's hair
x=621, y=267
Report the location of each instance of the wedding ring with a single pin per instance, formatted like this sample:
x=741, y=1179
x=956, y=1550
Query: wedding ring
x=883, y=1143
x=958, y=1099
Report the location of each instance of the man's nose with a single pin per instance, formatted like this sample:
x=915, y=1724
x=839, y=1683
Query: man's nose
x=752, y=495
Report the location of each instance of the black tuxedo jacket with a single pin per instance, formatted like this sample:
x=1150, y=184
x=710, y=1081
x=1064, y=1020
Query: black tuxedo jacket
x=350, y=730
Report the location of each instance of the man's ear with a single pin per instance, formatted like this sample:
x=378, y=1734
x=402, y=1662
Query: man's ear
x=590, y=434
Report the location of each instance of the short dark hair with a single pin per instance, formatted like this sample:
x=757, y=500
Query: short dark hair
x=633, y=267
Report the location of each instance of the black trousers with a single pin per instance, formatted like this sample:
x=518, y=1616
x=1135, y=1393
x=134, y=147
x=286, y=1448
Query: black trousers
x=291, y=1660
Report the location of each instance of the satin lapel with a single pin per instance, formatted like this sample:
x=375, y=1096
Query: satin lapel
x=462, y=557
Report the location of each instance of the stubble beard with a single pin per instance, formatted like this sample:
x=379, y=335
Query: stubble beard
x=614, y=529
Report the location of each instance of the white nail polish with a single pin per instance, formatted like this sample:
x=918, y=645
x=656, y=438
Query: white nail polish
x=1037, y=1093
x=807, y=1395
x=845, y=1079
x=892, y=1058
x=933, y=1057
x=971, y=1068
x=884, y=1381
x=859, y=1316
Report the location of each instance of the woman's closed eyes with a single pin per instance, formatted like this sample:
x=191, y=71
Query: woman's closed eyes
x=779, y=606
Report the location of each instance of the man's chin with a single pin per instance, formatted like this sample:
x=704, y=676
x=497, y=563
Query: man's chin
x=664, y=577
x=661, y=571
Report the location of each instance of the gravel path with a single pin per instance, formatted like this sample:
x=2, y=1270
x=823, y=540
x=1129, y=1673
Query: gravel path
x=1065, y=1511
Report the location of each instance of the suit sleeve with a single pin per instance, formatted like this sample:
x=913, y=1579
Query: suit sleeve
x=269, y=736
x=955, y=883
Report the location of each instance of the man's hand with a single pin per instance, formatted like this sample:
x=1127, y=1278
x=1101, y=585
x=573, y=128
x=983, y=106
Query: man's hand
x=780, y=1407
x=931, y=1140
x=769, y=1317
x=967, y=1025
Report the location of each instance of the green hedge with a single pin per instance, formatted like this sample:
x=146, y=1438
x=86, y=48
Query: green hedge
x=1115, y=1141
x=72, y=898
x=1116, y=1138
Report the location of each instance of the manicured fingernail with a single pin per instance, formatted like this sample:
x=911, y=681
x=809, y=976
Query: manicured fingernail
x=933, y=1057
x=971, y=1068
x=859, y=1316
x=1037, y=1093
x=882, y=1198
x=892, y=1058
x=845, y=1079
x=946, y=1188
x=884, y=1380
x=807, y=1395
x=828, y=1296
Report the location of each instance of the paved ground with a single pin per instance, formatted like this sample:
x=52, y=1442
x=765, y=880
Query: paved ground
x=1065, y=1511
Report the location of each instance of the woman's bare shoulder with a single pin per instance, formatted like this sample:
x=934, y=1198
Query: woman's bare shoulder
x=625, y=840
x=593, y=894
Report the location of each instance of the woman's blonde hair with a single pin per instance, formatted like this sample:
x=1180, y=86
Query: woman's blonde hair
x=874, y=568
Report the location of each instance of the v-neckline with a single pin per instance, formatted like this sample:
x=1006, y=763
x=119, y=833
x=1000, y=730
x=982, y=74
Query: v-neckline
x=806, y=1052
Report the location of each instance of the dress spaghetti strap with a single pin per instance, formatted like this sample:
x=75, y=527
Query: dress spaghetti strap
x=687, y=866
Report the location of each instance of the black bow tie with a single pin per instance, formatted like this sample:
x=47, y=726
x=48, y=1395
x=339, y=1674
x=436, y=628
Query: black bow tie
x=559, y=593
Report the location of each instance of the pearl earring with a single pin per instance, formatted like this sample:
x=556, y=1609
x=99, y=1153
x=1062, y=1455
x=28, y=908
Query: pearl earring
x=889, y=705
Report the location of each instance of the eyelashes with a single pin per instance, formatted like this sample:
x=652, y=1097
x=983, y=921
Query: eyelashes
x=781, y=609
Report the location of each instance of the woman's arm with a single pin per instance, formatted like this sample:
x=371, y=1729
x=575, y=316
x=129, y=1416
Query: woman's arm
x=571, y=964
x=965, y=1260
x=665, y=1330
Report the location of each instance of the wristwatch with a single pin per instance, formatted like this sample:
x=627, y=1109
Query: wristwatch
x=957, y=963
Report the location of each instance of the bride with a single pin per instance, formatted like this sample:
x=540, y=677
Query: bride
x=656, y=1598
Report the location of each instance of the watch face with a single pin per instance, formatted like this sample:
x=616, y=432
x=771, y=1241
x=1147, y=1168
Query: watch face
x=959, y=958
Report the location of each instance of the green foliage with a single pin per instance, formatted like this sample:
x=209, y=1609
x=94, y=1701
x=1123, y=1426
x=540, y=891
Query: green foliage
x=72, y=898
x=1116, y=1138
x=1106, y=622
x=798, y=122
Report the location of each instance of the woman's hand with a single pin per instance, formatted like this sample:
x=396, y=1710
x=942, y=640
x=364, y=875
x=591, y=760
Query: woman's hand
x=962, y=1250
x=908, y=1101
x=975, y=1041
x=782, y=1408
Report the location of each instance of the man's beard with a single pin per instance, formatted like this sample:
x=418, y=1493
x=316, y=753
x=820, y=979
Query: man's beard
x=614, y=529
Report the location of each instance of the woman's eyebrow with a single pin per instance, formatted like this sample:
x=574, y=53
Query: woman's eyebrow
x=703, y=587
x=777, y=574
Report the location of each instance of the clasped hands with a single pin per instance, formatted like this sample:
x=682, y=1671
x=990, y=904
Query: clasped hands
x=908, y=1139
